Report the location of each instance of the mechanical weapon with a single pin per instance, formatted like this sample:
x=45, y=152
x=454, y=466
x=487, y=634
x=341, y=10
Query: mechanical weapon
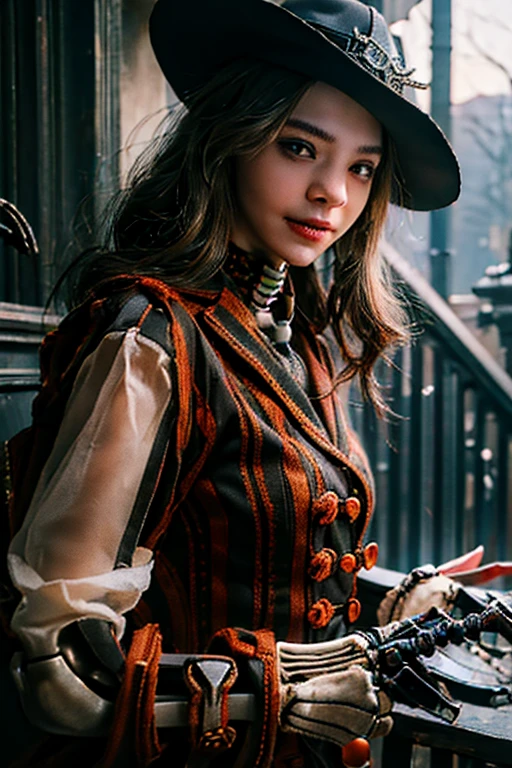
x=399, y=651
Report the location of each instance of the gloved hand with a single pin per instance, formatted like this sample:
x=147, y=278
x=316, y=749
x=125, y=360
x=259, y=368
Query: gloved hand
x=328, y=691
x=421, y=589
x=428, y=586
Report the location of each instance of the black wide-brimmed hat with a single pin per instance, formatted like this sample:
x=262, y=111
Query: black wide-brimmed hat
x=343, y=43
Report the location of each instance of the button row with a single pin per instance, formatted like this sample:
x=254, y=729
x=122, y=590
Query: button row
x=323, y=562
x=323, y=611
x=366, y=557
x=327, y=506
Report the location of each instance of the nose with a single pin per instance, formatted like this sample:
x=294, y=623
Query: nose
x=329, y=189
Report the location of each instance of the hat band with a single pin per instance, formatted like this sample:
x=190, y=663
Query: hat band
x=373, y=57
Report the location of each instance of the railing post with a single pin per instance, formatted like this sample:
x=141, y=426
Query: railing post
x=396, y=751
x=439, y=454
x=496, y=287
x=441, y=758
x=416, y=456
x=440, y=110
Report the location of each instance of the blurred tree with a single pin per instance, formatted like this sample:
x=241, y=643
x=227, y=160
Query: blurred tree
x=495, y=138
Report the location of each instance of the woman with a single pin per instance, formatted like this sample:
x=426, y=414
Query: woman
x=193, y=472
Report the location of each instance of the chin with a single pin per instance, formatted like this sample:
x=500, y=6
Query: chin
x=300, y=259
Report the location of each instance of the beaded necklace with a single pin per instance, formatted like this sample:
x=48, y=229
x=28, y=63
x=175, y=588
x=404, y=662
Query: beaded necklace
x=268, y=291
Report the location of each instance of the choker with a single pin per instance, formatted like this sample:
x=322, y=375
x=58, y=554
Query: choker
x=266, y=290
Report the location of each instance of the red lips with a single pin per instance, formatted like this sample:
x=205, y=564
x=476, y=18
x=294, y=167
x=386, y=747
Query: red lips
x=310, y=229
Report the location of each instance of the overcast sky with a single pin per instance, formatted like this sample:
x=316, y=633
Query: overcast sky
x=488, y=21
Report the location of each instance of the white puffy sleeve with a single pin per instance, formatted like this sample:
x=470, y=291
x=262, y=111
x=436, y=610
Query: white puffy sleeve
x=65, y=558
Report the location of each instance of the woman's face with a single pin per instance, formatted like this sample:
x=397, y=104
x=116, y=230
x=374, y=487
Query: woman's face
x=303, y=191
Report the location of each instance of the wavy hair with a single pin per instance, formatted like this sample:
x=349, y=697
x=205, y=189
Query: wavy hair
x=174, y=217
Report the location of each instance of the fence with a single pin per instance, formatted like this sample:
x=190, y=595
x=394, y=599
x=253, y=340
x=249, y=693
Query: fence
x=442, y=464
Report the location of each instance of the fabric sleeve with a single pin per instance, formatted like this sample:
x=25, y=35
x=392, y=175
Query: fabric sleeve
x=65, y=558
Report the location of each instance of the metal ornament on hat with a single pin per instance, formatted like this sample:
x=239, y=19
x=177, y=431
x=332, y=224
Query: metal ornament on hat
x=377, y=60
x=371, y=55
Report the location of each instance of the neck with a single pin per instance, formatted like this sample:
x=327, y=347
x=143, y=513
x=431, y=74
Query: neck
x=259, y=281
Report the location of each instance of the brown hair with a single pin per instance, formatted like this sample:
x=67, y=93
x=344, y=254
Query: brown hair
x=363, y=307
x=174, y=217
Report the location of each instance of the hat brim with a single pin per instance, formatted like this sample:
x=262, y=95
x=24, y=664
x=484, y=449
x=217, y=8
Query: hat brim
x=191, y=40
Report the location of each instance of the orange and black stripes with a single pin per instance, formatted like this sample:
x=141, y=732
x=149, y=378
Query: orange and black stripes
x=242, y=458
x=258, y=454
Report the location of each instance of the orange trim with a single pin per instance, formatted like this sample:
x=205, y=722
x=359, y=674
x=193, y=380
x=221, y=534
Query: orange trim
x=267, y=615
x=263, y=648
x=299, y=488
x=184, y=371
x=269, y=513
x=206, y=421
x=267, y=652
x=242, y=466
x=301, y=493
x=134, y=731
x=144, y=315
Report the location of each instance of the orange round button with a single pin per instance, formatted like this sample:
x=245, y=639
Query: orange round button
x=352, y=508
x=370, y=555
x=326, y=507
x=348, y=563
x=356, y=754
x=322, y=564
x=321, y=613
x=353, y=610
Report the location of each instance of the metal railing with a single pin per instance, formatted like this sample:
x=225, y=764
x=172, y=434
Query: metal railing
x=21, y=330
x=442, y=463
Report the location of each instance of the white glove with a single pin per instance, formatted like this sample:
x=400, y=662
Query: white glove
x=327, y=690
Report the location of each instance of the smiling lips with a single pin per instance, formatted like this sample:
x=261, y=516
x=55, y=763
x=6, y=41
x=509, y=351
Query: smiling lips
x=311, y=229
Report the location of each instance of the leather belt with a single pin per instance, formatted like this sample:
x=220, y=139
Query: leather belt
x=172, y=711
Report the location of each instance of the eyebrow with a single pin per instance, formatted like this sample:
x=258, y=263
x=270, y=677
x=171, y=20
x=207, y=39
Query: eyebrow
x=319, y=133
x=313, y=130
x=370, y=149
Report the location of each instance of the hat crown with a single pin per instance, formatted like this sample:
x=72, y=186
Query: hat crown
x=340, y=16
x=360, y=31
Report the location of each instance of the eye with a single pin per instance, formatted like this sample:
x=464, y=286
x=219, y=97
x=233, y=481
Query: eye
x=364, y=171
x=297, y=148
